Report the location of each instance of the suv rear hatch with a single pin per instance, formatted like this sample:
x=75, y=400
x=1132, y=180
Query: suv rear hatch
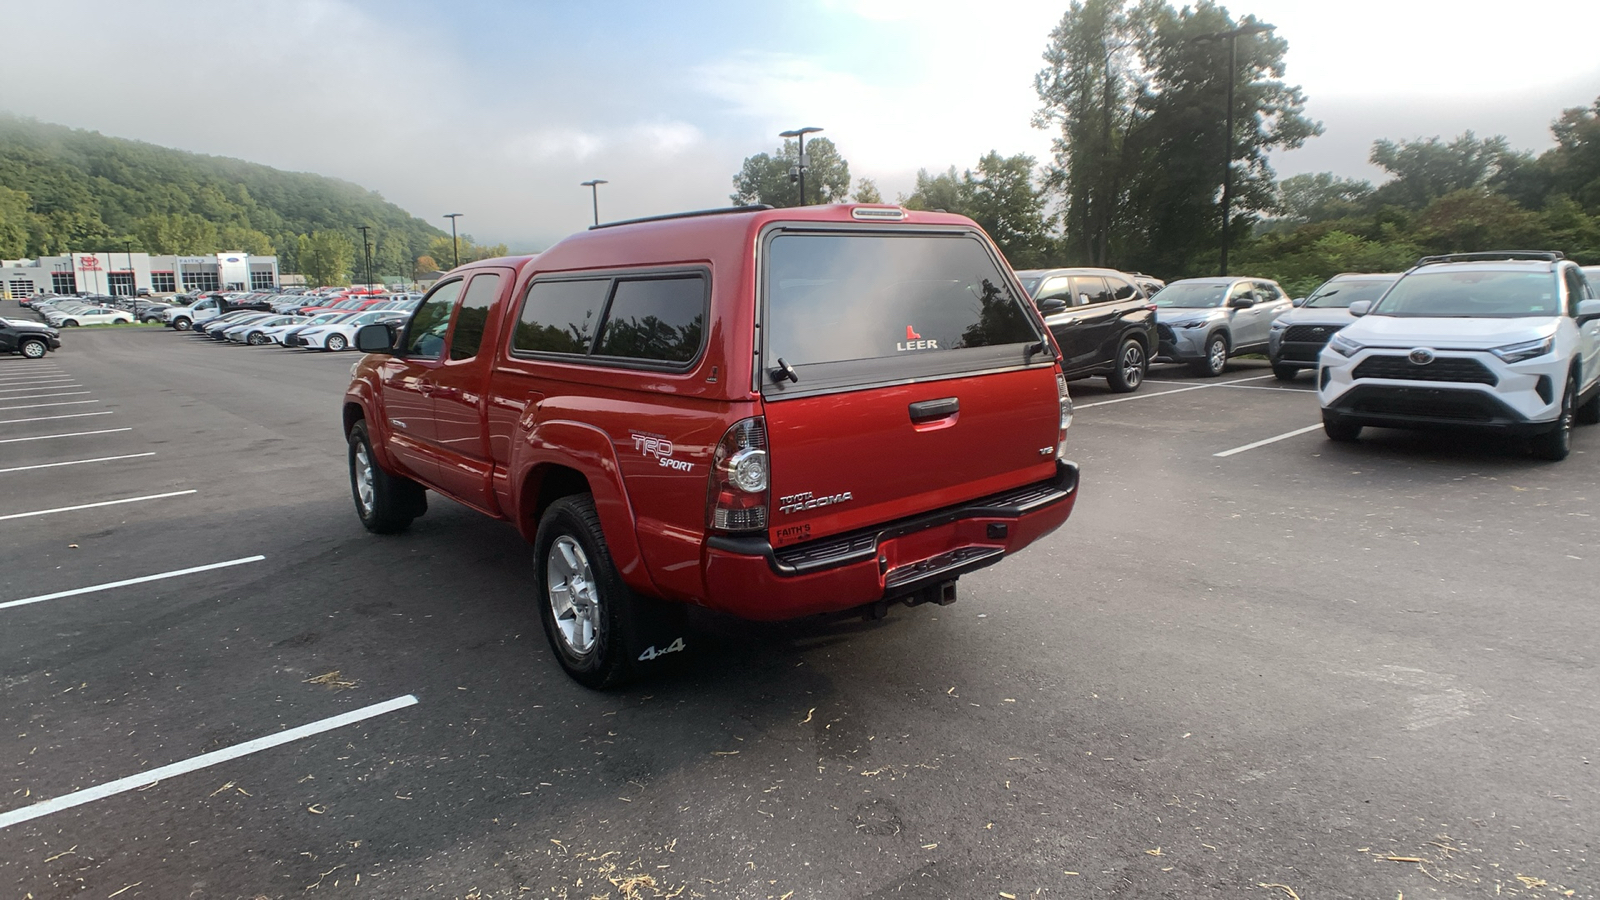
x=901, y=373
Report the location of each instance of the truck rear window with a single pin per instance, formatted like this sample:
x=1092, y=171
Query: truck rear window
x=841, y=297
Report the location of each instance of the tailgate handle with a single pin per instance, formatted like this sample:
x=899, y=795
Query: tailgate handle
x=932, y=410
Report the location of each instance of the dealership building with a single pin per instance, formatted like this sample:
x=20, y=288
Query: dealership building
x=121, y=274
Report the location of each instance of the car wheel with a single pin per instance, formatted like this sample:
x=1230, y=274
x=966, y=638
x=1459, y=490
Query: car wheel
x=1285, y=373
x=33, y=349
x=1130, y=368
x=334, y=342
x=181, y=324
x=1589, y=413
x=385, y=503
x=1339, y=430
x=1216, y=358
x=1555, y=444
x=70, y=323
x=602, y=633
x=256, y=339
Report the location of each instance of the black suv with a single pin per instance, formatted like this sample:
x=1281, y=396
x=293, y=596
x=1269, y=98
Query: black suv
x=28, y=338
x=1103, y=321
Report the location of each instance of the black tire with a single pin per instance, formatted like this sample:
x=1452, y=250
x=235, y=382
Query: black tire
x=33, y=348
x=1129, y=367
x=390, y=501
x=181, y=323
x=1589, y=413
x=334, y=342
x=70, y=323
x=1339, y=430
x=1555, y=444
x=1285, y=373
x=604, y=634
x=1216, y=358
x=256, y=339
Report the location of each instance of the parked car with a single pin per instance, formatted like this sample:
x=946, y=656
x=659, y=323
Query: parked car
x=1204, y=321
x=1506, y=342
x=88, y=315
x=30, y=339
x=1103, y=323
x=340, y=335
x=655, y=461
x=273, y=334
x=253, y=331
x=1298, y=336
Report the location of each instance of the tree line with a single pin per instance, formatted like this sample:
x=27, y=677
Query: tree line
x=1135, y=94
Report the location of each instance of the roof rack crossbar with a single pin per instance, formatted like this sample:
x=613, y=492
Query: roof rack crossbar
x=1543, y=255
x=692, y=214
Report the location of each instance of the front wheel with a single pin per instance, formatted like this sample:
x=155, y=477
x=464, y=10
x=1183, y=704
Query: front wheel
x=603, y=634
x=1340, y=430
x=33, y=349
x=1131, y=366
x=334, y=342
x=1555, y=444
x=181, y=324
x=1216, y=358
x=256, y=339
x=385, y=503
x=1285, y=373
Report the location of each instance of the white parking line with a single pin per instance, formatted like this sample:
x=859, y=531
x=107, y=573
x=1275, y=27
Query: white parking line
x=203, y=761
x=53, y=418
x=37, y=387
x=1193, y=387
x=75, y=462
x=46, y=437
x=31, y=379
x=42, y=396
x=95, y=588
x=40, y=405
x=1271, y=440
x=46, y=512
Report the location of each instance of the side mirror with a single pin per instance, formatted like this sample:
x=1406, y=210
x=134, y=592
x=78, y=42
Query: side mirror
x=1588, y=311
x=1298, y=301
x=1241, y=303
x=1051, y=306
x=375, y=338
x=1360, y=308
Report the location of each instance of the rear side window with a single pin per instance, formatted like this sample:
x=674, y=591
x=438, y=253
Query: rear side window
x=1089, y=289
x=846, y=297
x=660, y=319
x=473, y=314
x=561, y=316
x=1122, y=290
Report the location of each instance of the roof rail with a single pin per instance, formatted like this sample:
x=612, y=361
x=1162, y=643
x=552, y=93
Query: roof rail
x=720, y=211
x=1540, y=255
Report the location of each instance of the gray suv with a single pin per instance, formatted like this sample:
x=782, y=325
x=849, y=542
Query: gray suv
x=1298, y=336
x=1203, y=321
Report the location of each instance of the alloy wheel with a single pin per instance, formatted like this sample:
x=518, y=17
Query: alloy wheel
x=574, y=599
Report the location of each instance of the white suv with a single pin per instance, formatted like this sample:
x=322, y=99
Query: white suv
x=1505, y=341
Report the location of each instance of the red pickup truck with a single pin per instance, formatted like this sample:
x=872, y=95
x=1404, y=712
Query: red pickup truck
x=772, y=413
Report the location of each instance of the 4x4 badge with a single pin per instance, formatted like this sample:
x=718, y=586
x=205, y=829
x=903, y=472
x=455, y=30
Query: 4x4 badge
x=1420, y=356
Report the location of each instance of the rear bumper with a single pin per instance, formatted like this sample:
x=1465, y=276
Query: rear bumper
x=746, y=577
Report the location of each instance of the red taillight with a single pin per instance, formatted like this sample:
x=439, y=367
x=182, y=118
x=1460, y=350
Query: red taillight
x=736, y=501
x=1064, y=400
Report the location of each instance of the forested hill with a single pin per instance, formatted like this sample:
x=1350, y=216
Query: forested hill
x=63, y=190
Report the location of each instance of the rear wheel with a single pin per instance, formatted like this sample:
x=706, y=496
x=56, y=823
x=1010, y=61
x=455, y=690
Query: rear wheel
x=71, y=323
x=1339, y=430
x=1131, y=366
x=256, y=339
x=1555, y=444
x=33, y=348
x=603, y=634
x=1285, y=373
x=385, y=503
x=1216, y=358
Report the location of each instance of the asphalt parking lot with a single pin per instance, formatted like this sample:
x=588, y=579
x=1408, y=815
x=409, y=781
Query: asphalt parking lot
x=1254, y=664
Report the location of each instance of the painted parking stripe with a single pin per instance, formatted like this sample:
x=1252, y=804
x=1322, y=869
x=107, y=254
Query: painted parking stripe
x=53, y=418
x=203, y=761
x=46, y=437
x=37, y=387
x=33, y=379
x=42, y=405
x=42, y=396
x=75, y=462
x=96, y=588
x=1184, y=390
x=46, y=512
x=1271, y=440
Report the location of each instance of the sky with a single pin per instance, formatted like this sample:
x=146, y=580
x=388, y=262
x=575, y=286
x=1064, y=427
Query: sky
x=498, y=110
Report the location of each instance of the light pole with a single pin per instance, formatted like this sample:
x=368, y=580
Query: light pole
x=1232, y=37
x=594, y=188
x=133, y=280
x=366, y=249
x=798, y=172
x=455, y=244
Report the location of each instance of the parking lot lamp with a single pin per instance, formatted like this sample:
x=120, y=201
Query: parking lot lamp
x=366, y=249
x=594, y=188
x=133, y=281
x=798, y=172
x=1232, y=37
x=453, y=242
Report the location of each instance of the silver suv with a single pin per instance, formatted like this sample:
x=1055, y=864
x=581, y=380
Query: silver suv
x=1203, y=321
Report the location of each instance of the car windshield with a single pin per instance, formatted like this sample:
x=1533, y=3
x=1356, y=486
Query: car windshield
x=1472, y=294
x=1340, y=294
x=1030, y=283
x=1193, y=295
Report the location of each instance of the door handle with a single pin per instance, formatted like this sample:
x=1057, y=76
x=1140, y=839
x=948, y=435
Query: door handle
x=425, y=388
x=933, y=410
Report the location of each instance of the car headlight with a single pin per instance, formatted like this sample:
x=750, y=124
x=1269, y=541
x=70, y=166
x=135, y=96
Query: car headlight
x=1198, y=324
x=1344, y=346
x=1515, y=353
x=1279, y=324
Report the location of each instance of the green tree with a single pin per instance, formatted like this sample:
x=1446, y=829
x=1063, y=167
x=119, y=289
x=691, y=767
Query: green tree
x=1316, y=198
x=1573, y=165
x=325, y=257
x=938, y=192
x=866, y=191
x=1003, y=198
x=15, y=223
x=765, y=179
x=1426, y=170
x=443, y=251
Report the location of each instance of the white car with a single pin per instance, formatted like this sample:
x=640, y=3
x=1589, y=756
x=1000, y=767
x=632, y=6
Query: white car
x=88, y=315
x=1506, y=342
x=340, y=335
x=183, y=318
